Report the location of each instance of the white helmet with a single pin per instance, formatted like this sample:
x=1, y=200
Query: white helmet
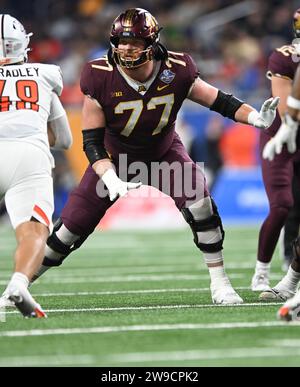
x=13, y=40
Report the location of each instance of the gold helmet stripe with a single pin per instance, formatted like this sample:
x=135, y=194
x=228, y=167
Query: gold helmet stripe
x=128, y=18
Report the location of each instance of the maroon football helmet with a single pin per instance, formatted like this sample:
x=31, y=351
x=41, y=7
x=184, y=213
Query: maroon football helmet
x=135, y=23
x=296, y=23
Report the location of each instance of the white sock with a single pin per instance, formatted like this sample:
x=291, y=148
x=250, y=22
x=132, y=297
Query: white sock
x=213, y=258
x=217, y=273
x=262, y=268
x=218, y=276
x=19, y=279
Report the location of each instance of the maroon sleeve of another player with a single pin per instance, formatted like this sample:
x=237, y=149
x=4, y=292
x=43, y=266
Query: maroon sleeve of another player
x=280, y=64
x=87, y=81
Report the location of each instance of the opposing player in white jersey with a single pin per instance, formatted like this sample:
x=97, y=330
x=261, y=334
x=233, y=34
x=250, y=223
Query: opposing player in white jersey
x=31, y=119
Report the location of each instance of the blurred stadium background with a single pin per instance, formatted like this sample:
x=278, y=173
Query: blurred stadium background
x=230, y=41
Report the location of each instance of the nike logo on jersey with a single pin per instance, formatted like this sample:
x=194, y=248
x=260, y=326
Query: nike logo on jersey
x=159, y=88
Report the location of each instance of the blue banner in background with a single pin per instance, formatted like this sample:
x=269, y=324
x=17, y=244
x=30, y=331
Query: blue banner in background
x=240, y=196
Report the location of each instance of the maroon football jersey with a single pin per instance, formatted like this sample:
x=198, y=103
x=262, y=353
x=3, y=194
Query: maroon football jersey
x=142, y=126
x=282, y=63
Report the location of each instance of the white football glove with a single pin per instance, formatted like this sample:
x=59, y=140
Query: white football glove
x=116, y=187
x=286, y=134
x=266, y=116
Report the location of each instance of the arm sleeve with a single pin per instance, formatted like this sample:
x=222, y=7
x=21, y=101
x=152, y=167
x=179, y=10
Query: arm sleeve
x=59, y=124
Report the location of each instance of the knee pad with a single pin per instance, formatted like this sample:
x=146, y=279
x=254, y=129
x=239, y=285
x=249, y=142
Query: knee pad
x=202, y=217
x=56, y=249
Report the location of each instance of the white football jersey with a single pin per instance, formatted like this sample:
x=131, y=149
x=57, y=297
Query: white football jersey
x=25, y=102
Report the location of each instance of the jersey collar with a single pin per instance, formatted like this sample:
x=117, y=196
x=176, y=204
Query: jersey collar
x=140, y=87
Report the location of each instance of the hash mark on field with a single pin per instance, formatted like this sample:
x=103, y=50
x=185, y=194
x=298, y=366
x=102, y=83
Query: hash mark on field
x=144, y=328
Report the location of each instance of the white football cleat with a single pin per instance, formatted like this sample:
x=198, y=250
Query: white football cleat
x=290, y=311
x=25, y=303
x=260, y=283
x=225, y=294
x=276, y=293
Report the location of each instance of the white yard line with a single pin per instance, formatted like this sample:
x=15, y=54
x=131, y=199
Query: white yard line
x=116, y=271
x=134, y=268
x=139, y=357
x=209, y=354
x=144, y=328
x=70, y=279
x=53, y=360
x=131, y=278
x=291, y=343
x=156, y=307
x=116, y=292
x=63, y=279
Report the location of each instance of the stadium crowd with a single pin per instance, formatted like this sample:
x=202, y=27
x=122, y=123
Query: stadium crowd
x=230, y=41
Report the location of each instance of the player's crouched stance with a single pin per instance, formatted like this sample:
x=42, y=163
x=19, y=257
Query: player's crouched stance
x=132, y=97
x=29, y=101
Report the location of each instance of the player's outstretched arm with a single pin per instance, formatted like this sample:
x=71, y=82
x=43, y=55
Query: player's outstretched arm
x=231, y=107
x=93, y=145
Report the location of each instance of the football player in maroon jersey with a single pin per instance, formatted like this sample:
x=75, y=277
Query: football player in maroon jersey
x=132, y=98
x=278, y=174
x=288, y=135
